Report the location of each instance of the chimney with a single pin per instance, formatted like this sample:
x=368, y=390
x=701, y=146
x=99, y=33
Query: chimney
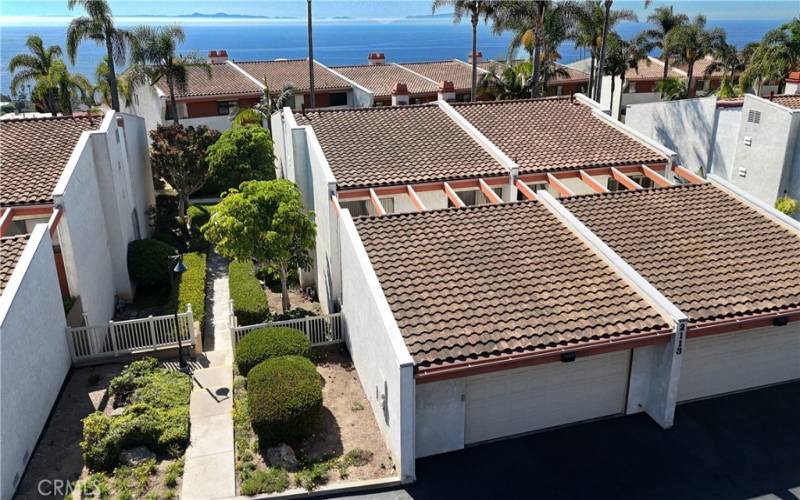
x=478, y=56
x=793, y=83
x=447, y=91
x=400, y=94
x=217, y=56
x=376, y=58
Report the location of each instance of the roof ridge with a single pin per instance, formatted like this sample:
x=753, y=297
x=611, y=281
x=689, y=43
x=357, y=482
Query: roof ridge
x=507, y=101
x=51, y=118
x=15, y=236
x=629, y=192
x=437, y=61
x=367, y=110
x=279, y=60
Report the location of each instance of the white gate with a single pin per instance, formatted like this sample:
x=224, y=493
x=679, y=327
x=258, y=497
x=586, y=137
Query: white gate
x=153, y=333
x=321, y=330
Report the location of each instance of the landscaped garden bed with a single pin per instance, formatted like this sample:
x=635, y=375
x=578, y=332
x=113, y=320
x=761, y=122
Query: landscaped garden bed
x=301, y=419
x=134, y=447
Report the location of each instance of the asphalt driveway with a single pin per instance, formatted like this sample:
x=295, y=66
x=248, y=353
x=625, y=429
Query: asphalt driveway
x=736, y=447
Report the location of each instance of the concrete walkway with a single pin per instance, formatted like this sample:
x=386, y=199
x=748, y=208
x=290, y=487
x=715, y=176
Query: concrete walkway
x=209, y=467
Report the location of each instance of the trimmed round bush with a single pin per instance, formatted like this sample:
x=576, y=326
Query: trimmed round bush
x=265, y=343
x=148, y=263
x=284, y=395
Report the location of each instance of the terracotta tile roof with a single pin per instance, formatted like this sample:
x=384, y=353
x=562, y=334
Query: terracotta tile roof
x=471, y=283
x=11, y=248
x=699, y=69
x=790, y=101
x=225, y=80
x=381, y=78
x=729, y=262
x=650, y=70
x=386, y=146
x=294, y=71
x=555, y=134
x=33, y=154
x=453, y=71
x=574, y=75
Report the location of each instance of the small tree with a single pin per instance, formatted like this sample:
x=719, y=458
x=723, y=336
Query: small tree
x=265, y=221
x=242, y=154
x=178, y=154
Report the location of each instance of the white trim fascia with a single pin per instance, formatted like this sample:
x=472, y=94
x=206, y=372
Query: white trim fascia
x=418, y=74
x=374, y=287
x=21, y=269
x=764, y=100
x=288, y=116
x=351, y=82
x=635, y=134
x=476, y=135
x=77, y=151
x=588, y=101
x=655, y=298
x=764, y=208
x=246, y=74
x=313, y=144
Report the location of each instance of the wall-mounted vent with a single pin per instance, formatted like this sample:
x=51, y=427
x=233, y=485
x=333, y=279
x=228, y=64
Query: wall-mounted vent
x=748, y=141
x=754, y=116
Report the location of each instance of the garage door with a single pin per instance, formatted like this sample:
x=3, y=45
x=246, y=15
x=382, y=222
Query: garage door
x=718, y=364
x=512, y=402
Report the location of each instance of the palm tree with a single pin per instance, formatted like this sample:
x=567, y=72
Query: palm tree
x=265, y=108
x=590, y=20
x=609, y=21
x=623, y=55
x=34, y=67
x=476, y=9
x=98, y=26
x=692, y=42
x=103, y=84
x=58, y=87
x=153, y=54
x=672, y=89
x=728, y=60
x=776, y=56
x=312, y=95
x=665, y=20
x=509, y=83
x=539, y=27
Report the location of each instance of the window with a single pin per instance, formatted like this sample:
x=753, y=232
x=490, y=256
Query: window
x=754, y=116
x=644, y=181
x=462, y=97
x=474, y=197
x=416, y=100
x=338, y=99
x=224, y=108
x=632, y=87
x=360, y=208
x=379, y=104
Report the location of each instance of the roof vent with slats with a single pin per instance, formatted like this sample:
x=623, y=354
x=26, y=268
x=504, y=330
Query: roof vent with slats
x=754, y=116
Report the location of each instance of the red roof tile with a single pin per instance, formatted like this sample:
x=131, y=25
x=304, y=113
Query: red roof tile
x=452, y=71
x=294, y=72
x=480, y=282
x=711, y=254
x=225, y=80
x=790, y=101
x=555, y=134
x=650, y=70
x=380, y=79
x=387, y=146
x=34, y=153
x=11, y=249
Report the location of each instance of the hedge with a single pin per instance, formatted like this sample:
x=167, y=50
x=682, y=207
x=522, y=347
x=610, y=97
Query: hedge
x=265, y=343
x=249, y=299
x=149, y=263
x=198, y=217
x=191, y=287
x=157, y=417
x=285, y=398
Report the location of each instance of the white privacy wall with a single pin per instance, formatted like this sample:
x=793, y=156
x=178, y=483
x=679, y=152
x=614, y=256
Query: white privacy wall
x=723, y=142
x=377, y=348
x=34, y=358
x=148, y=104
x=684, y=126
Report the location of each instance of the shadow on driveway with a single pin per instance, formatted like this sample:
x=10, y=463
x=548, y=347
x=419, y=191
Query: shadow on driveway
x=737, y=447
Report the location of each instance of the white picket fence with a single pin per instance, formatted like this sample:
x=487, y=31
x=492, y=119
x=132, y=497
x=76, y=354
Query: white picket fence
x=321, y=330
x=154, y=333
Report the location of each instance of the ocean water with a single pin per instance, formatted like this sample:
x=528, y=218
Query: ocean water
x=336, y=42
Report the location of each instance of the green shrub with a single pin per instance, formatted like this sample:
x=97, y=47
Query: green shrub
x=296, y=313
x=285, y=398
x=357, y=457
x=198, y=217
x=123, y=385
x=249, y=299
x=786, y=205
x=96, y=486
x=173, y=473
x=149, y=263
x=265, y=481
x=309, y=479
x=157, y=417
x=265, y=343
x=191, y=288
x=241, y=154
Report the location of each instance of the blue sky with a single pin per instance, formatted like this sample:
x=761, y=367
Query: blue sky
x=713, y=9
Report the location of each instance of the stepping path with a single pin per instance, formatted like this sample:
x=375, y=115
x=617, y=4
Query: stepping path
x=209, y=466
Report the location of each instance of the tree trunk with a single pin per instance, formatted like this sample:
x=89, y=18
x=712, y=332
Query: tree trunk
x=537, y=68
x=52, y=103
x=530, y=59
x=183, y=200
x=472, y=95
x=601, y=61
x=312, y=98
x=112, y=76
x=284, y=288
x=689, y=71
x=590, y=90
x=173, y=103
x=621, y=90
x=666, y=68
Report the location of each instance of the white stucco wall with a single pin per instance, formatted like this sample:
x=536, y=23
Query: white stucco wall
x=763, y=167
x=376, y=345
x=440, y=413
x=148, y=104
x=219, y=122
x=685, y=126
x=723, y=141
x=33, y=353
